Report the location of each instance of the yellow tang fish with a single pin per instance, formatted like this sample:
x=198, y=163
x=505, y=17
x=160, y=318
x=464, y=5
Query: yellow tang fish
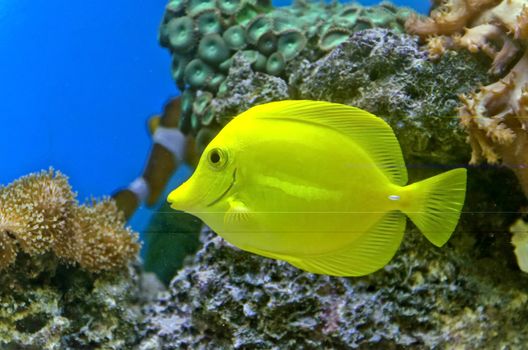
x=320, y=185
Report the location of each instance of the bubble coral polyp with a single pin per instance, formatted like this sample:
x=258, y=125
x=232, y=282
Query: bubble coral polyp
x=39, y=214
x=495, y=116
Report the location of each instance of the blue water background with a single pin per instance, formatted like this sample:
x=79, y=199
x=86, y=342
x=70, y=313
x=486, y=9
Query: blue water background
x=78, y=80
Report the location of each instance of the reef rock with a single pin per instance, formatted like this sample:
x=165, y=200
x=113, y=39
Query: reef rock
x=388, y=74
x=424, y=298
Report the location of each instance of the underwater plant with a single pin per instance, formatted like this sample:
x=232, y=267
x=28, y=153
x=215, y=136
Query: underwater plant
x=495, y=116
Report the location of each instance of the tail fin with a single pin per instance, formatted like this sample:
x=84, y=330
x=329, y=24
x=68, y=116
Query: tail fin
x=437, y=203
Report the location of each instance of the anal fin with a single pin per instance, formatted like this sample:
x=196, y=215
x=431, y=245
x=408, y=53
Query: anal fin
x=366, y=255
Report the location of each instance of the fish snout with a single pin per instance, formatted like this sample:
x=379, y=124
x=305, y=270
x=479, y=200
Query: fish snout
x=180, y=198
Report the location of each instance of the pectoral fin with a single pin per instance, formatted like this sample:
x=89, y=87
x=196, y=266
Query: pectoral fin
x=238, y=213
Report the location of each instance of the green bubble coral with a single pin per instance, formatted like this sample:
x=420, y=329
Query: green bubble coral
x=184, y=123
x=267, y=43
x=229, y=7
x=201, y=102
x=362, y=24
x=196, y=73
x=291, y=42
x=208, y=116
x=205, y=34
x=258, y=26
x=245, y=14
x=181, y=34
x=282, y=22
x=224, y=66
x=333, y=37
x=350, y=13
x=209, y=21
x=175, y=6
x=213, y=49
x=275, y=64
x=178, y=68
x=195, y=123
x=195, y=7
x=257, y=60
x=214, y=83
x=235, y=37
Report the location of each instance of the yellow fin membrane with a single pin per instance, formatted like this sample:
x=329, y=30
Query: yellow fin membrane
x=369, y=253
x=369, y=132
x=436, y=204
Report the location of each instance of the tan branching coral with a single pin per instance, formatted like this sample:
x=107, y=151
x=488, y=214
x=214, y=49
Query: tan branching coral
x=496, y=115
x=449, y=18
x=34, y=210
x=39, y=214
x=100, y=238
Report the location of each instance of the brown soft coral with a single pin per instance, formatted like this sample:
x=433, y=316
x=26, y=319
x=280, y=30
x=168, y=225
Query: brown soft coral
x=496, y=115
x=448, y=18
x=39, y=214
x=100, y=238
x=34, y=210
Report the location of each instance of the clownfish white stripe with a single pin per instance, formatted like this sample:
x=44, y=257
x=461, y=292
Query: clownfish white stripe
x=172, y=139
x=140, y=188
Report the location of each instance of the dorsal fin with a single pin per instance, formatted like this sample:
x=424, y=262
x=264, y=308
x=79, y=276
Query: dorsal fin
x=369, y=132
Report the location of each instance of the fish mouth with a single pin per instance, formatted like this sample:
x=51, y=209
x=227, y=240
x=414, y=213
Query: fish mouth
x=226, y=191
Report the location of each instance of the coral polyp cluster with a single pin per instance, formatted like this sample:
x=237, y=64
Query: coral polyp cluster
x=496, y=115
x=203, y=36
x=40, y=215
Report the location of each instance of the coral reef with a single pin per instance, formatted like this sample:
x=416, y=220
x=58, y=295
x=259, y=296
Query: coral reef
x=203, y=38
x=387, y=74
x=69, y=309
x=245, y=88
x=66, y=278
x=424, y=298
x=39, y=215
x=469, y=294
x=495, y=116
x=378, y=70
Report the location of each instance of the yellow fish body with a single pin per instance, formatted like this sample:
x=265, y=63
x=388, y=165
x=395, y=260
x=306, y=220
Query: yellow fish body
x=319, y=185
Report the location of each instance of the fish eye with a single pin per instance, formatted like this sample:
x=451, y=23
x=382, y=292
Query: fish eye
x=217, y=158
